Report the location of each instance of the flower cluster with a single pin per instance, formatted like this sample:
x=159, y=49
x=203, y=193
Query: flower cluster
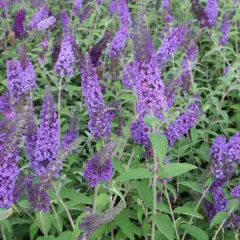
x=118, y=42
x=168, y=17
x=210, y=14
x=18, y=25
x=72, y=133
x=99, y=121
x=128, y=76
x=77, y=6
x=42, y=14
x=66, y=58
x=183, y=123
x=236, y=192
x=6, y=107
x=65, y=22
x=225, y=27
x=170, y=44
x=234, y=148
x=46, y=23
x=47, y=142
x=100, y=167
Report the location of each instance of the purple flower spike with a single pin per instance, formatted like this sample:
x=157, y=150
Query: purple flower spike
x=47, y=143
x=234, y=148
x=16, y=81
x=210, y=14
x=183, y=123
x=236, y=192
x=46, y=23
x=66, y=58
x=72, y=133
x=6, y=108
x=124, y=14
x=99, y=120
x=128, y=76
x=38, y=17
x=118, y=42
x=65, y=22
x=18, y=25
x=168, y=17
x=170, y=44
x=225, y=28
x=77, y=6
x=100, y=167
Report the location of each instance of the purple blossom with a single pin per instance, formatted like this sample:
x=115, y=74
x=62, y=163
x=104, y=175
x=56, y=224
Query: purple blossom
x=38, y=17
x=226, y=71
x=118, y=42
x=99, y=1
x=235, y=193
x=124, y=14
x=30, y=75
x=17, y=84
x=6, y=107
x=46, y=23
x=113, y=7
x=65, y=22
x=72, y=133
x=233, y=149
x=100, y=167
x=128, y=76
x=220, y=203
x=168, y=17
x=77, y=6
x=183, y=123
x=140, y=131
x=170, y=90
x=149, y=86
x=18, y=25
x=210, y=14
x=66, y=58
x=221, y=168
x=209, y=210
x=225, y=28
x=47, y=142
x=170, y=44
x=99, y=122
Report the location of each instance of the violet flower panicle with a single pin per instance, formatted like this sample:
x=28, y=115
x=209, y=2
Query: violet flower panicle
x=47, y=143
x=77, y=6
x=46, y=23
x=99, y=122
x=18, y=25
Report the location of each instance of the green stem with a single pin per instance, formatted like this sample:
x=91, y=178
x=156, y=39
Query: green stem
x=57, y=219
x=95, y=199
x=63, y=205
x=154, y=186
x=59, y=109
x=171, y=211
x=43, y=224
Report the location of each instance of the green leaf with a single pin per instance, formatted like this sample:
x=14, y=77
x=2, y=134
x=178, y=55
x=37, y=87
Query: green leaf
x=187, y=211
x=233, y=205
x=138, y=173
x=46, y=219
x=160, y=145
x=193, y=185
x=145, y=192
x=75, y=195
x=46, y=238
x=175, y=169
x=65, y=235
x=195, y=232
x=164, y=225
x=5, y=214
x=218, y=218
x=151, y=120
x=128, y=96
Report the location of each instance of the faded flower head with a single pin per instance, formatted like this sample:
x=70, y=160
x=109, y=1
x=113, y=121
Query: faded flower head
x=100, y=167
x=225, y=28
x=66, y=58
x=18, y=25
x=6, y=107
x=128, y=76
